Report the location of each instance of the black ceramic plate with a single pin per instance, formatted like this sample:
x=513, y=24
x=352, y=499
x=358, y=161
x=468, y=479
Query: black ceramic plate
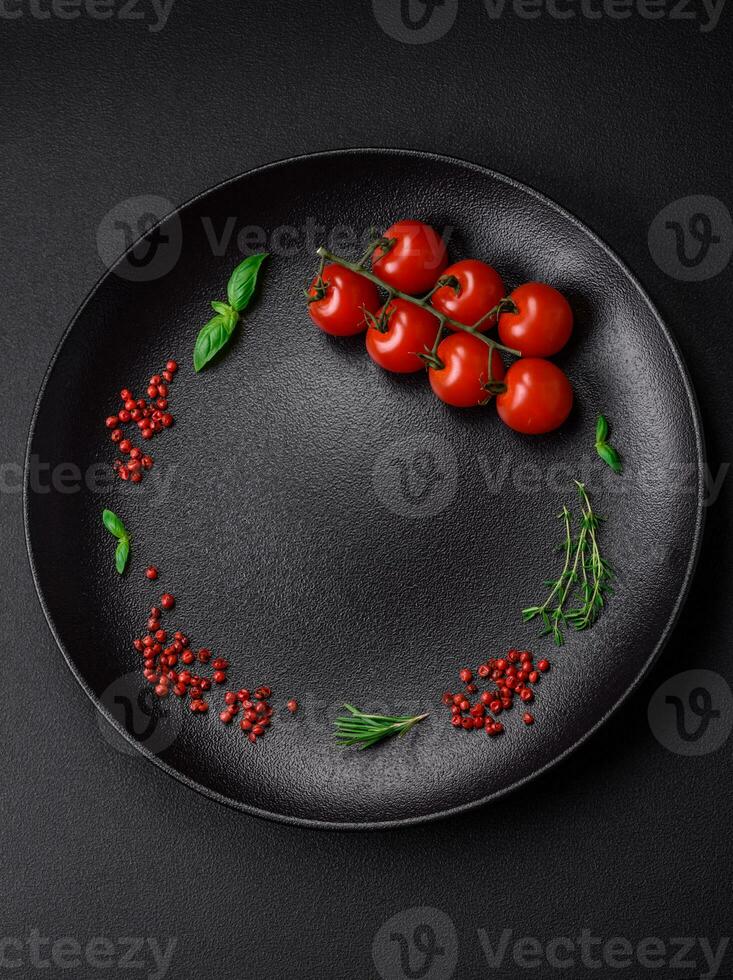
x=337, y=532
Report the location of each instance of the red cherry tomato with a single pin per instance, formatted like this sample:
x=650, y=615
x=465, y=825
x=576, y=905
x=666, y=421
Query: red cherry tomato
x=479, y=290
x=410, y=331
x=415, y=260
x=538, y=397
x=340, y=311
x=463, y=379
x=543, y=324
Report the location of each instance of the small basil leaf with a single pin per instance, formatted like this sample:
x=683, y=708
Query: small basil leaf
x=223, y=308
x=122, y=553
x=601, y=429
x=113, y=524
x=243, y=280
x=609, y=456
x=213, y=337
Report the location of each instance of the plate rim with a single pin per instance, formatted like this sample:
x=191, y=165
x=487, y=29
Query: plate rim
x=682, y=595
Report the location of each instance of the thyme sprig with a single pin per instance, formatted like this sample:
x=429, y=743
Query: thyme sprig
x=363, y=730
x=585, y=574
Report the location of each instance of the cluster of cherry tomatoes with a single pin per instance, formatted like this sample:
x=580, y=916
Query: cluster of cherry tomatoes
x=437, y=316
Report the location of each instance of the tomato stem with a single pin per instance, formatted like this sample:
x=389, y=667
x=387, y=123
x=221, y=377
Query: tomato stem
x=443, y=281
x=506, y=305
x=446, y=321
x=494, y=387
x=430, y=357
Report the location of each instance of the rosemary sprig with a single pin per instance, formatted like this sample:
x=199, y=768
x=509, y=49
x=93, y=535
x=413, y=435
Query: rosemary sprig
x=585, y=571
x=364, y=730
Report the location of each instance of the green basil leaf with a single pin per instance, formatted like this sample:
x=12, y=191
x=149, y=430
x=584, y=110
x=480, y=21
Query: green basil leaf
x=213, y=337
x=243, y=280
x=223, y=308
x=601, y=429
x=114, y=525
x=609, y=456
x=122, y=553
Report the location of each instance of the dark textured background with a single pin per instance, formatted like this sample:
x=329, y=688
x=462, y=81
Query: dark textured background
x=613, y=119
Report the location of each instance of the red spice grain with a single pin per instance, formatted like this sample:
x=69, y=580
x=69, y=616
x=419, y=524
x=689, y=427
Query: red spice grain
x=514, y=675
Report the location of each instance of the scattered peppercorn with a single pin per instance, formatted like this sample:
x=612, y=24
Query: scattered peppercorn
x=150, y=418
x=513, y=675
x=161, y=649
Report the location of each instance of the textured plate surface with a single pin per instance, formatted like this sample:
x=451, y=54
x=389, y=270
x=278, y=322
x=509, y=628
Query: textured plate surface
x=336, y=532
